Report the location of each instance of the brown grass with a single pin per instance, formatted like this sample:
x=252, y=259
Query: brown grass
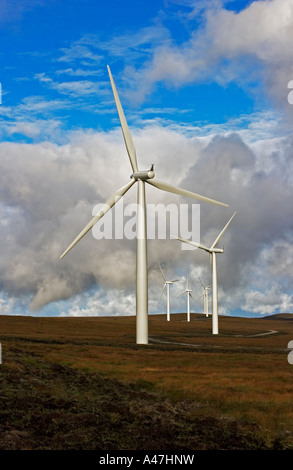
x=235, y=374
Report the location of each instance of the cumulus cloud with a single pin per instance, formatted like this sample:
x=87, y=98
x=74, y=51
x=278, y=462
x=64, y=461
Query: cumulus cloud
x=268, y=302
x=48, y=194
x=247, y=46
x=47, y=197
x=48, y=190
x=256, y=181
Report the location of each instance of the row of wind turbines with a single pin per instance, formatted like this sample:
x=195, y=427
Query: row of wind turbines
x=187, y=291
x=212, y=250
x=141, y=177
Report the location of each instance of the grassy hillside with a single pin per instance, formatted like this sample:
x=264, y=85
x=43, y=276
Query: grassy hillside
x=83, y=383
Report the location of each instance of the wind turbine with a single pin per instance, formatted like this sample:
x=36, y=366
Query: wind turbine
x=187, y=291
x=213, y=251
x=167, y=286
x=139, y=177
x=205, y=296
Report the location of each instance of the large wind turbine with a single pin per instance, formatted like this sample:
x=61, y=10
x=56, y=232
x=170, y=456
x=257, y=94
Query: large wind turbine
x=205, y=295
x=212, y=251
x=139, y=177
x=167, y=286
x=187, y=291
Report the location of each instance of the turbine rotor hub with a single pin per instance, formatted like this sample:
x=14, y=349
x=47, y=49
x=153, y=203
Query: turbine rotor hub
x=144, y=175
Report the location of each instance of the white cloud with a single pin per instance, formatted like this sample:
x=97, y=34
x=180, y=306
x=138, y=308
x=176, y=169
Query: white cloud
x=268, y=302
x=133, y=44
x=103, y=303
x=252, y=45
x=73, y=87
x=34, y=117
x=48, y=194
x=79, y=52
x=78, y=72
x=6, y=305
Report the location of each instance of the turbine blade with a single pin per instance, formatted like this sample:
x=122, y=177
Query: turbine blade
x=222, y=232
x=110, y=203
x=182, y=192
x=201, y=282
x=198, y=245
x=175, y=280
x=125, y=130
x=162, y=292
x=181, y=293
x=162, y=273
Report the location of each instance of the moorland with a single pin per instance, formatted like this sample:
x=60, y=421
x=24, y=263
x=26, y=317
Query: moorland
x=83, y=384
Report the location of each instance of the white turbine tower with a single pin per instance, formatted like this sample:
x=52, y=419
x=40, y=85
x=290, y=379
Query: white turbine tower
x=139, y=177
x=167, y=286
x=212, y=251
x=187, y=291
x=205, y=295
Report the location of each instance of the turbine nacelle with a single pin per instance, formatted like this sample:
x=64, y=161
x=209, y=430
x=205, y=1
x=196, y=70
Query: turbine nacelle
x=144, y=175
x=216, y=250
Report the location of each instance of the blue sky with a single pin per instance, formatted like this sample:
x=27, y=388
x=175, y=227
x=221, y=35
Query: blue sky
x=54, y=56
x=204, y=87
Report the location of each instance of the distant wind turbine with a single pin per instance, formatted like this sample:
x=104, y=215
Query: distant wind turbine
x=187, y=291
x=212, y=251
x=205, y=295
x=139, y=177
x=167, y=286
